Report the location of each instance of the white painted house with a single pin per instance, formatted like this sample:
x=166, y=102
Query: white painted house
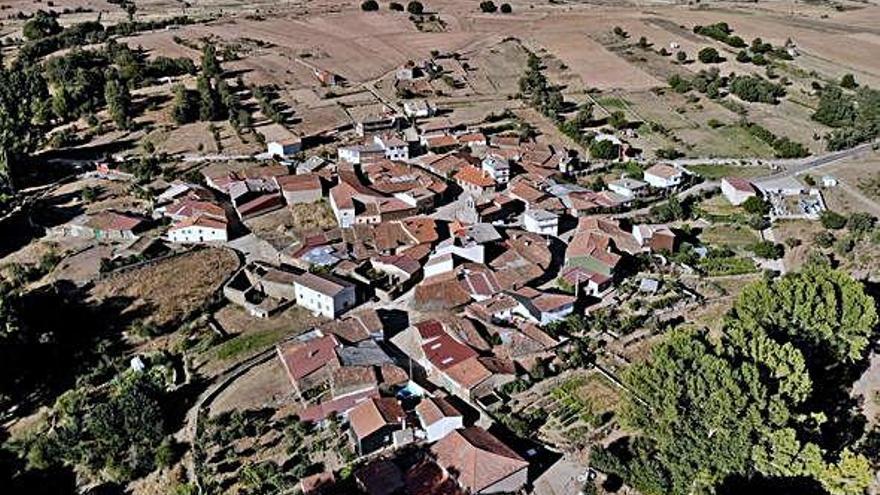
x=284, y=148
x=497, y=167
x=438, y=418
x=629, y=187
x=541, y=222
x=663, y=176
x=737, y=190
x=199, y=229
x=417, y=108
x=396, y=149
x=323, y=294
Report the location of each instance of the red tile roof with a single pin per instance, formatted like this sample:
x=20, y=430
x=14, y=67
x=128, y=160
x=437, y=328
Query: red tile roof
x=477, y=457
x=369, y=416
x=301, y=359
x=475, y=176
x=301, y=182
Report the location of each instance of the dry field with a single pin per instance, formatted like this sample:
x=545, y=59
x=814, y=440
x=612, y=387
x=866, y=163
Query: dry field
x=170, y=289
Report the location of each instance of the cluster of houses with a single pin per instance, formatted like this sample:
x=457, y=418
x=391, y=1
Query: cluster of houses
x=479, y=237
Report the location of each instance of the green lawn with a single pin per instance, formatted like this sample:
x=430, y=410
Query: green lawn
x=249, y=343
x=612, y=102
x=719, y=206
x=727, y=235
x=716, y=172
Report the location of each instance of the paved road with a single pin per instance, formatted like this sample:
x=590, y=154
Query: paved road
x=793, y=168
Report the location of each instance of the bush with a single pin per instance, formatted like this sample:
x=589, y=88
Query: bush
x=756, y=89
x=768, y=250
x=488, y=7
x=681, y=56
x=824, y=239
x=679, y=84
x=743, y=57
x=832, y=220
x=756, y=206
x=506, y=8
x=709, y=55
x=370, y=6
x=415, y=8
x=604, y=150
x=848, y=81
x=397, y=7
x=860, y=222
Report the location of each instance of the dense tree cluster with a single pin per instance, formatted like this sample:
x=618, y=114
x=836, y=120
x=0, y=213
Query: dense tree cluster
x=543, y=96
x=709, y=55
x=856, y=116
x=755, y=88
x=722, y=32
x=115, y=432
x=745, y=405
x=783, y=146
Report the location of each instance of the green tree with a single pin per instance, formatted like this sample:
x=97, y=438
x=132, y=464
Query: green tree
x=506, y=8
x=24, y=96
x=681, y=56
x=370, y=6
x=604, y=150
x=709, y=55
x=415, y=8
x=756, y=206
x=832, y=220
x=209, y=102
x=210, y=64
x=835, y=108
x=848, y=81
x=118, y=101
x=186, y=107
x=41, y=25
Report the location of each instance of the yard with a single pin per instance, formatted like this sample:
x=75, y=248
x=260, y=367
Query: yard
x=729, y=235
x=717, y=171
x=168, y=291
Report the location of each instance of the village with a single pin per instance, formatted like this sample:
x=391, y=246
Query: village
x=451, y=276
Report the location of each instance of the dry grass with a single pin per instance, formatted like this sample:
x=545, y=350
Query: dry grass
x=170, y=289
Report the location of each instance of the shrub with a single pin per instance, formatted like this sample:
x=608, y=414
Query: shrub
x=604, y=150
x=848, y=81
x=756, y=206
x=681, y=56
x=506, y=8
x=832, y=220
x=768, y=250
x=369, y=6
x=415, y=8
x=824, y=239
x=860, y=222
x=395, y=6
x=709, y=55
x=488, y=7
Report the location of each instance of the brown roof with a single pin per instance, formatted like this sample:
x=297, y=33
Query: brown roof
x=346, y=379
x=111, y=220
x=475, y=176
x=740, y=184
x=479, y=459
x=422, y=229
x=301, y=182
x=380, y=477
x=664, y=171
x=301, y=359
x=428, y=478
x=468, y=373
x=433, y=409
x=371, y=415
x=325, y=284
